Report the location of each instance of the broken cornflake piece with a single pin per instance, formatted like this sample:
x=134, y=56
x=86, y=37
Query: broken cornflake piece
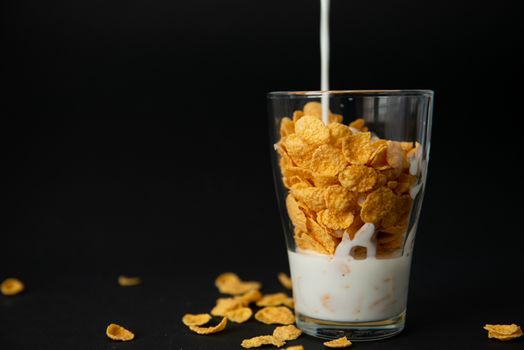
x=239, y=315
x=295, y=347
x=261, y=340
x=503, y=332
x=285, y=280
x=12, y=286
x=117, y=332
x=210, y=330
x=287, y=333
x=276, y=300
x=230, y=283
x=338, y=343
x=125, y=281
x=275, y=314
x=196, y=320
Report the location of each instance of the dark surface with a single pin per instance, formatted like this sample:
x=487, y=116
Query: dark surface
x=134, y=141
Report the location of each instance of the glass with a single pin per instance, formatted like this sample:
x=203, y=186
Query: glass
x=350, y=201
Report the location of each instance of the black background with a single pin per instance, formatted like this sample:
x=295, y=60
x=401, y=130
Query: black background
x=135, y=141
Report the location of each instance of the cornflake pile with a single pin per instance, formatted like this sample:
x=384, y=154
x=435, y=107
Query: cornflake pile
x=274, y=309
x=340, y=177
x=503, y=332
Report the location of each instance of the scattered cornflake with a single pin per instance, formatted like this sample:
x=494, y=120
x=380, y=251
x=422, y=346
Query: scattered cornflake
x=285, y=280
x=275, y=314
x=287, y=333
x=249, y=297
x=224, y=305
x=239, y=315
x=338, y=343
x=295, y=347
x=117, y=332
x=261, y=340
x=196, y=319
x=230, y=283
x=276, y=299
x=210, y=330
x=125, y=281
x=11, y=286
x=503, y=332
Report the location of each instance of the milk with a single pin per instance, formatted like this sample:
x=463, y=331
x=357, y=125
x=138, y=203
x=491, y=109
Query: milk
x=324, y=58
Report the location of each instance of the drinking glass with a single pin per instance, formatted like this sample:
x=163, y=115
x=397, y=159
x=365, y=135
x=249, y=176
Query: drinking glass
x=350, y=169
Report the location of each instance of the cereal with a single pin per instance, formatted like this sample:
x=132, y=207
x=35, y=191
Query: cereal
x=395, y=155
x=321, y=235
x=12, y=286
x=357, y=148
x=230, y=283
x=335, y=220
x=296, y=215
x=196, y=320
x=285, y=280
x=117, y=332
x=377, y=205
x=287, y=333
x=379, y=157
x=338, y=343
x=125, y=281
x=338, y=133
x=295, y=347
x=503, y=332
x=313, y=109
x=312, y=130
x=320, y=180
x=275, y=314
x=261, y=340
x=287, y=127
x=306, y=242
x=296, y=148
x=250, y=297
x=313, y=197
x=224, y=305
x=297, y=115
x=338, y=199
x=357, y=124
x=276, y=299
x=327, y=160
x=210, y=330
x=358, y=178
x=239, y=315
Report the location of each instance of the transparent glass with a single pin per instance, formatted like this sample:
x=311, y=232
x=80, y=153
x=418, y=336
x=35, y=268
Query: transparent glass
x=350, y=182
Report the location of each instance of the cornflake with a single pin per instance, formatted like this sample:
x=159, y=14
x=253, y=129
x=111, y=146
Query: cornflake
x=312, y=130
x=224, y=305
x=287, y=127
x=313, y=109
x=285, y=280
x=275, y=314
x=327, y=160
x=261, y=340
x=503, y=332
x=335, y=220
x=230, y=283
x=358, y=178
x=313, y=197
x=287, y=333
x=338, y=343
x=125, y=281
x=357, y=148
x=337, y=198
x=295, y=347
x=210, y=330
x=306, y=242
x=239, y=315
x=276, y=299
x=117, y=332
x=12, y=286
x=377, y=205
x=196, y=320
x=296, y=215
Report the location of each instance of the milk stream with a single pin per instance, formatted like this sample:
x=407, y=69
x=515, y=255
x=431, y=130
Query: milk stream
x=324, y=58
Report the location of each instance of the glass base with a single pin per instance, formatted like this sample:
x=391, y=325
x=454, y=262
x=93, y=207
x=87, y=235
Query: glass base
x=355, y=331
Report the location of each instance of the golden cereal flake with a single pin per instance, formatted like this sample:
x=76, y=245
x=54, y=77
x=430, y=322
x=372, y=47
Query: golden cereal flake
x=338, y=198
x=358, y=178
x=275, y=314
x=276, y=299
x=312, y=130
x=285, y=280
x=357, y=124
x=313, y=109
x=320, y=180
x=503, y=332
x=224, y=305
x=117, y=332
x=294, y=180
x=296, y=215
x=297, y=149
x=306, y=242
x=249, y=297
x=196, y=320
x=297, y=115
x=313, y=197
x=295, y=347
x=335, y=220
x=377, y=205
x=261, y=340
x=327, y=160
x=338, y=343
x=400, y=208
x=287, y=333
x=210, y=330
x=357, y=148
x=287, y=127
x=12, y=286
x=321, y=235
x=379, y=157
x=125, y=281
x=230, y=283
x=239, y=315
x=338, y=132
x=395, y=155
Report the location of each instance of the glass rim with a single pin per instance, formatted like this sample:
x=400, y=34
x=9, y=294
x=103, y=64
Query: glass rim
x=319, y=93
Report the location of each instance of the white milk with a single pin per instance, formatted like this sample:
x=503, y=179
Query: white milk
x=324, y=58
x=347, y=290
